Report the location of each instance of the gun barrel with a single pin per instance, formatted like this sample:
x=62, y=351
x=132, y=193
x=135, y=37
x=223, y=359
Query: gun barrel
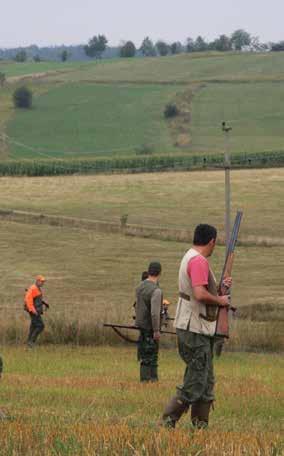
x=232, y=242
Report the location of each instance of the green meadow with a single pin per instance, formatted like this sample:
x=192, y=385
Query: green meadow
x=77, y=120
x=115, y=107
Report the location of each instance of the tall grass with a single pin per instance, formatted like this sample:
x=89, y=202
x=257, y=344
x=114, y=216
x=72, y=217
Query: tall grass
x=265, y=336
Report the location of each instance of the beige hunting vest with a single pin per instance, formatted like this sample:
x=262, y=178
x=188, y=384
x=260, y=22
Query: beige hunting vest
x=193, y=315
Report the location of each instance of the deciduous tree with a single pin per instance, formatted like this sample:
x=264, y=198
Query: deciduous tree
x=163, y=48
x=128, y=49
x=240, y=38
x=96, y=46
x=147, y=48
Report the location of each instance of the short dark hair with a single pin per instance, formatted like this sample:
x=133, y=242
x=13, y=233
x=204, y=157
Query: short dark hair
x=203, y=234
x=154, y=268
x=144, y=275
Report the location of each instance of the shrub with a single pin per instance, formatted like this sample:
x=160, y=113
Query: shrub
x=171, y=110
x=23, y=98
x=21, y=56
x=144, y=149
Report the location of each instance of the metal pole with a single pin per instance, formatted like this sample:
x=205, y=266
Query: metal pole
x=227, y=167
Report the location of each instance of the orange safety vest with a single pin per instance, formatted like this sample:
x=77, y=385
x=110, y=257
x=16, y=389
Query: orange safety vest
x=32, y=295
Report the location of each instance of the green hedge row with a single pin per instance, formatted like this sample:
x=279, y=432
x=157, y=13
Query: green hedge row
x=153, y=163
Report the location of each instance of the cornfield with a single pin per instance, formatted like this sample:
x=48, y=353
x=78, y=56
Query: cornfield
x=137, y=164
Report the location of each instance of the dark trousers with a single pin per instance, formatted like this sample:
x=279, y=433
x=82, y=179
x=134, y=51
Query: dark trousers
x=196, y=350
x=36, y=327
x=148, y=351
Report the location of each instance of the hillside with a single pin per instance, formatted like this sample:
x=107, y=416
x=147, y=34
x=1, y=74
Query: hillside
x=115, y=107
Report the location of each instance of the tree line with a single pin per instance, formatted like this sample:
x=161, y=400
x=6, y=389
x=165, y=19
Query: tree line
x=97, y=47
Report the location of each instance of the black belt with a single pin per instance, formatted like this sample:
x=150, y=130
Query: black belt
x=210, y=319
x=184, y=296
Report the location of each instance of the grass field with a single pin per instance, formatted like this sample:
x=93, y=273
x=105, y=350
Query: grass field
x=255, y=111
x=101, y=270
x=92, y=278
x=180, y=199
x=85, y=120
x=115, y=107
x=12, y=69
x=73, y=401
x=186, y=68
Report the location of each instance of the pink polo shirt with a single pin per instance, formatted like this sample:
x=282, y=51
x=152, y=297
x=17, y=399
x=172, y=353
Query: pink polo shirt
x=198, y=271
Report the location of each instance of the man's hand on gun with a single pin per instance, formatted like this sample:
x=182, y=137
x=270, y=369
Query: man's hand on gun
x=225, y=298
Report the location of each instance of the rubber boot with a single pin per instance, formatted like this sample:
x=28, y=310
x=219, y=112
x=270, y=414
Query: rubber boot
x=173, y=411
x=145, y=373
x=154, y=374
x=200, y=414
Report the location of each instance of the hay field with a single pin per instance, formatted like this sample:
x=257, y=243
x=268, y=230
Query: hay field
x=74, y=401
x=181, y=199
x=92, y=278
x=186, y=68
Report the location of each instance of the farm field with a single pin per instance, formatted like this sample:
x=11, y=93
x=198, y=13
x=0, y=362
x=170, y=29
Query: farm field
x=12, y=69
x=86, y=120
x=186, y=68
x=92, y=275
x=255, y=111
x=80, y=403
x=127, y=98
x=174, y=200
x=91, y=279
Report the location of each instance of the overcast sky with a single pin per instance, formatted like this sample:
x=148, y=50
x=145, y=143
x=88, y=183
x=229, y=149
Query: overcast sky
x=52, y=22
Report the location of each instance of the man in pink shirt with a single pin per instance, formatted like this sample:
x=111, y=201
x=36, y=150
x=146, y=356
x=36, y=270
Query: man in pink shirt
x=195, y=324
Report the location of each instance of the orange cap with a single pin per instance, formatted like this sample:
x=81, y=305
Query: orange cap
x=40, y=278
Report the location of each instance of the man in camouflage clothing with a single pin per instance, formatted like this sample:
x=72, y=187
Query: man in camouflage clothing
x=195, y=324
x=148, y=309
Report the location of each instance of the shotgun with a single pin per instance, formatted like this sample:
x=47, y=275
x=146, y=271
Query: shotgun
x=222, y=324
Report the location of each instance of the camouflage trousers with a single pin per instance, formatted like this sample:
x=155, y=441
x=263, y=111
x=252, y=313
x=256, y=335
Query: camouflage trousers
x=147, y=353
x=196, y=350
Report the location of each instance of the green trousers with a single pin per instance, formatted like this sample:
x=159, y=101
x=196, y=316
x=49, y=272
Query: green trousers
x=196, y=350
x=148, y=350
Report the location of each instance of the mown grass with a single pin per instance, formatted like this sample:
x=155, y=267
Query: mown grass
x=180, y=200
x=181, y=68
x=91, y=120
x=91, y=279
x=13, y=69
x=84, y=401
x=186, y=68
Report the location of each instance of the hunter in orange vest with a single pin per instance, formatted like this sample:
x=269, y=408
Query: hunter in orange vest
x=34, y=306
